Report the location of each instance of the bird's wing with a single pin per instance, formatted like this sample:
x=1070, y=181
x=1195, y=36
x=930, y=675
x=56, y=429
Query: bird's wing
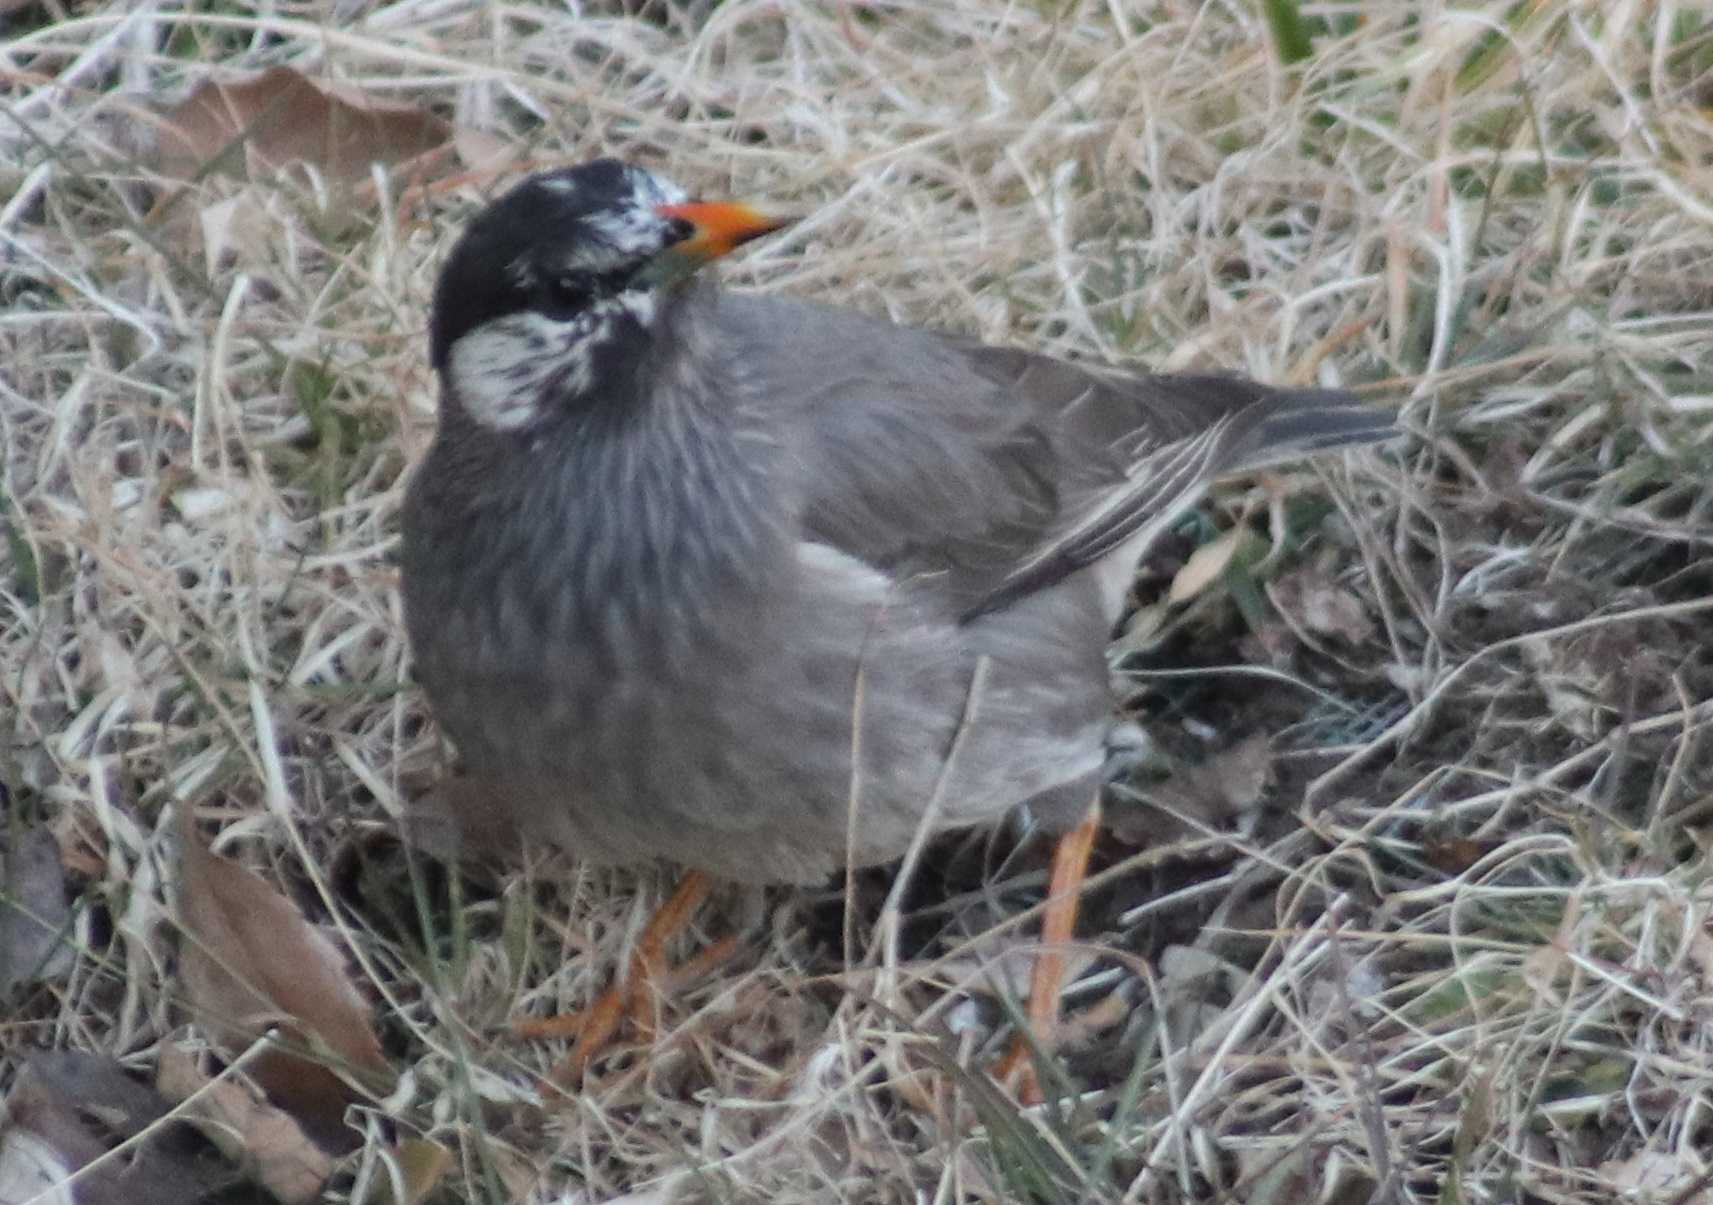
x=992, y=472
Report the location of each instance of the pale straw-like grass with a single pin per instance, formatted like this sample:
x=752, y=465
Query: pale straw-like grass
x=1466, y=943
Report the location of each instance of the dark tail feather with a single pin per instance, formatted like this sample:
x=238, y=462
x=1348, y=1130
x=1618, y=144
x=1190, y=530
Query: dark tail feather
x=1291, y=424
x=1265, y=427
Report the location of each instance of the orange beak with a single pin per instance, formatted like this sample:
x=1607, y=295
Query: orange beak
x=721, y=226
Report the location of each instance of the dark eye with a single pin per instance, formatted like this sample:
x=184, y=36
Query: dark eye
x=678, y=229
x=565, y=294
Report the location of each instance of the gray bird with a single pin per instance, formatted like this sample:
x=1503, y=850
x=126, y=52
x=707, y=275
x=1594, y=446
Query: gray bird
x=760, y=586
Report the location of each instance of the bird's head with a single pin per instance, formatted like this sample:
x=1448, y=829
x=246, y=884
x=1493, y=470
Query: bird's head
x=553, y=287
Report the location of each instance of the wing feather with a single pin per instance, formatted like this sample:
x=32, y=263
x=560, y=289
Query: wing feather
x=991, y=473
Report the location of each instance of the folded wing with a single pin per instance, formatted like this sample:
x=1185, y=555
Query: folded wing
x=990, y=473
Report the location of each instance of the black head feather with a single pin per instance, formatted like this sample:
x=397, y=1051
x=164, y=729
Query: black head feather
x=553, y=244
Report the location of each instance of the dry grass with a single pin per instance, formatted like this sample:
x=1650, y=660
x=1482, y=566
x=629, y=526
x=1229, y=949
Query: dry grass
x=1462, y=954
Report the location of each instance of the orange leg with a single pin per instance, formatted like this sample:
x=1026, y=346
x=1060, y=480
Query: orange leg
x=633, y=994
x=1058, y=927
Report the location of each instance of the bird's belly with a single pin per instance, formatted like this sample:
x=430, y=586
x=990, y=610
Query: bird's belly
x=750, y=764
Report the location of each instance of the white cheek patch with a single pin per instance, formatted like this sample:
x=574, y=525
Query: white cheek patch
x=505, y=371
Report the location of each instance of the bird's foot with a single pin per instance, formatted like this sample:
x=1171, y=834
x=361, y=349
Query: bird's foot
x=1016, y=1069
x=637, y=994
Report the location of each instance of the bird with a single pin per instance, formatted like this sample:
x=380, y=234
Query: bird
x=761, y=587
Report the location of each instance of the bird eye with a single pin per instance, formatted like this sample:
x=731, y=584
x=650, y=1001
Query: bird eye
x=678, y=229
x=565, y=293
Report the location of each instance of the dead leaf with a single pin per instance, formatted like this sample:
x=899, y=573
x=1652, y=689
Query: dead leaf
x=282, y=118
x=1087, y=1023
x=34, y=915
x=32, y=1170
x=1205, y=565
x=1319, y=604
x=1454, y=855
x=480, y=150
x=1196, y=988
x=1226, y=786
x=1004, y=966
x=252, y=128
x=43, y=1144
x=1543, y=966
x=1233, y=779
x=267, y=1142
x=418, y=1166
x=252, y=962
x=1578, y=687
x=124, y=1106
x=69, y=1109
x=668, y=1193
x=1268, y=1175
x=240, y=224
x=1139, y=631
x=1659, y=1176
x=1700, y=953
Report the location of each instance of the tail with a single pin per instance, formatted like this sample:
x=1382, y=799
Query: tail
x=1290, y=424
x=1213, y=427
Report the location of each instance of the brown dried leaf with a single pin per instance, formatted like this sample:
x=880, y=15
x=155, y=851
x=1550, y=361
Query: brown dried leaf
x=1141, y=630
x=283, y=118
x=1226, y=785
x=99, y=1085
x=1089, y=1022
x=1546, y=963
x=31, y=1169
x=1004, y=966
x=481, y=150
x=421, y=1165
x=1454, y=855
x=268, y=1142
x=1193, y=982
x=1700, y=953
x=1233, y=780
x=1676, y=1175
x=1320, y=605
x=33, y=911
x=252, y=962
x=1273, y=1177
x=67, y=1109
x=1205, y=565
x=239, y=224
x=42, y=1144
